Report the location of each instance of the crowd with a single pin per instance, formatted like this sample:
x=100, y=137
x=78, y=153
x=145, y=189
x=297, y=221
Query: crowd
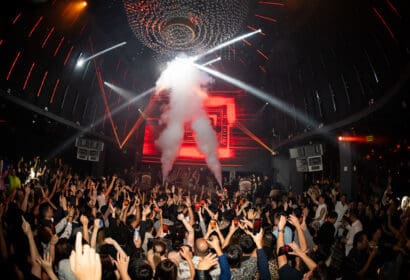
x=57, y=225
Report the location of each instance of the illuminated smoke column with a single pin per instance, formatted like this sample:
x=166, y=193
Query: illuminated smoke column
x=187, y=87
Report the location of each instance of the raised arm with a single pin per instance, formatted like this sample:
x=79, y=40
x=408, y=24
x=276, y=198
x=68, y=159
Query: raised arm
x=36, y=267
x=280, y=241
x=301, y=236
x=189, y=228
x=107, y=193
x=232, y=230
x=302, y=254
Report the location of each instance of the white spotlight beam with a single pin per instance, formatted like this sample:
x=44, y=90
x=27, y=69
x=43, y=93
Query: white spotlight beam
x=279, y=104
x=212, y=61
x=81, y=61
x=128, y=95
x=228, y=43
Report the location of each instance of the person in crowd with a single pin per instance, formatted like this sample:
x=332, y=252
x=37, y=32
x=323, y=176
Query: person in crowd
x=352, y=229
x=64, y=226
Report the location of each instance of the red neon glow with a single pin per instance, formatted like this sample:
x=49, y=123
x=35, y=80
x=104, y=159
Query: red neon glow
x=254, y=29
x=357, y=139
x=107, y=108
x=68, y=55
x=261, y=53
x=42, y=83
x=1, y=42
x=393, y=8
x=54, y=91
x=47, y=37
x=35, y=26
x=58, y=46
x=28, y=75
x=266, y=18
x=263, y=69
x=384, y=23
x=138, y=123
x=16, y=18
x=222, y=113
x=247, y=42
x=12, y=65
x=271, y=3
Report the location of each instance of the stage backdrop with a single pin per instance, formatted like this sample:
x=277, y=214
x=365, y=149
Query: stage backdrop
x=224, y=109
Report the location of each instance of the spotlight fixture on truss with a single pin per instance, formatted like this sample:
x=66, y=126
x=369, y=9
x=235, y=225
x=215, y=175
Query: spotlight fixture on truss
x=190, y=26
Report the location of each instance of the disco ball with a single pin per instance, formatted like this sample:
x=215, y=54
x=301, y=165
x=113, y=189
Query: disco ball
x=190, y=26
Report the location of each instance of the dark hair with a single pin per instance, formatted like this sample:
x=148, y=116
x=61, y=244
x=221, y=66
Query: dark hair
x=43, y=209
x=139, y=270
x=108, y=268
x=333, y=215
x=358, y=237
x=297, y=212
x=63, y=250
x=198, y=231
x=247, y=244
x=234, y=254
x=130, y=219
x=166, y=270
x=149, y=224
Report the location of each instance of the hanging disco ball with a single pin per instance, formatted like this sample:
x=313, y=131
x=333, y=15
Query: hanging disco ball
x=190, y=26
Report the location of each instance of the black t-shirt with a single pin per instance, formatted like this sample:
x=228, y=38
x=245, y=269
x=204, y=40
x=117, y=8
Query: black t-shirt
x=287, y=272
x=354, y=262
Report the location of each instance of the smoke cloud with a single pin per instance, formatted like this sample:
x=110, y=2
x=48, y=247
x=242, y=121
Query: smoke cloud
x=187, y=87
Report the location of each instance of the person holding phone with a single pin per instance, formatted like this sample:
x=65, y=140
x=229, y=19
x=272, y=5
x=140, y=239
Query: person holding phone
x=285, y=270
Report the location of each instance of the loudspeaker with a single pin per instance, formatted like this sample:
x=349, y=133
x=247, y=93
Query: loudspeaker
x=297, y=152
x=315, y=163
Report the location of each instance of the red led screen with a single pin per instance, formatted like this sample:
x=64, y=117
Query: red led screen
x=221, y=109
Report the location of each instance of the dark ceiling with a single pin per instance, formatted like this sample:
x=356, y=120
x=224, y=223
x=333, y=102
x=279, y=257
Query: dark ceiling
x=330, y=60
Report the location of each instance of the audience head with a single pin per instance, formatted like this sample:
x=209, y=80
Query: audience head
x=166, y=270
x=247, y=244
x=201, y=247
x=360, y=241
x=234, y=254
x=332, y=217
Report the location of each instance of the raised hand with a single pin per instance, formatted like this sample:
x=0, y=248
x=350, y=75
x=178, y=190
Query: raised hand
x=209, y=261
x=84, y=220
x=185, y=253
x=293, y=220
x=84, y=261
x=25, y=226
x=122, y=264
x=45, y=262
x=282, y=222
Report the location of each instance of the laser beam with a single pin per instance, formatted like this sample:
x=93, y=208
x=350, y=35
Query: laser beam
x=276, y=102
x=228, y=43
x=128, y=95
x=212, y=61
x=254, y=137
x=81, y=60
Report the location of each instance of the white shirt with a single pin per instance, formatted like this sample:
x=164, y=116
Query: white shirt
x=352, y=230
x=317, y=214
x=340, y=209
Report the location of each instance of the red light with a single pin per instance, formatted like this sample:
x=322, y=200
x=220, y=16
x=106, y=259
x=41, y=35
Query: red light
x=398, y=146
x=222, y=113
x=357, y=139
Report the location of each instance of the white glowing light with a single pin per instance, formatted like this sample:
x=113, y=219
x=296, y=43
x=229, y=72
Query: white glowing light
x=228, y=43
x=178, y=70
x=81, y=61
x=128, y=95
x=212, y=61
x=279, y=104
